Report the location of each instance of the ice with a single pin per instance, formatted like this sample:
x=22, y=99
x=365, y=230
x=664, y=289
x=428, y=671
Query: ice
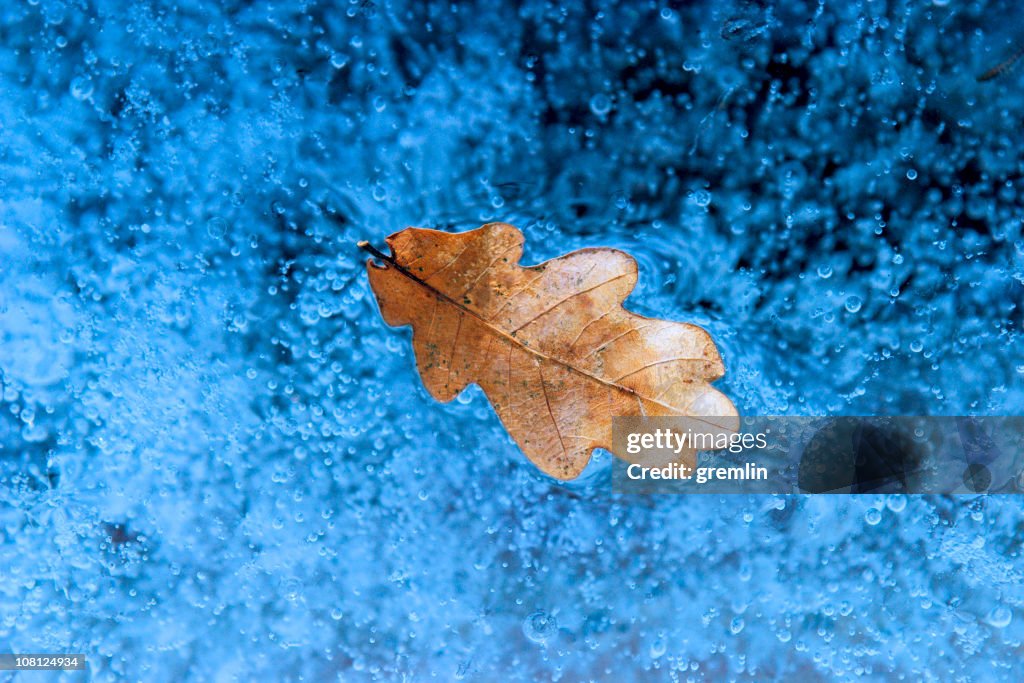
x=218, y=462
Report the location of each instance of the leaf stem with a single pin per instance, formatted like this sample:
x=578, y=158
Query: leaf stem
x=363, y=244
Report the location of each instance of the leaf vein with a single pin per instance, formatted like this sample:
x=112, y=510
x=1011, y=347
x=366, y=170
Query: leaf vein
x=663, y=361
x=487, y=269
x=569, y=298
x=547, y=401
x=447, y=265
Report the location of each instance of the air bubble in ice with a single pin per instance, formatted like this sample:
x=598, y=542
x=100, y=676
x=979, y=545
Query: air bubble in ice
x=540, y=626
x=600, y=104
x=1000, y=616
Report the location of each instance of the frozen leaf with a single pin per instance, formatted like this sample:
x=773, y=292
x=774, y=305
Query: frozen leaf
x=551, y=345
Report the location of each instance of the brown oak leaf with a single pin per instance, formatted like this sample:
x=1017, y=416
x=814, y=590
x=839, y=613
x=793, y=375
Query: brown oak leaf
x=550, y=345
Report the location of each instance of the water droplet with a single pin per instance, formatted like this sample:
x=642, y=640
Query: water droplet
x=736, y=625
x=898, y=259
x=540, y=626
x=896, y=502
x=81, y=88
x=291, y=589
x=658, y=648
x=379, y=193
x=702, y=198
x=916, y=346
x=216, y=227
x=873, y=516
x=824, y=272
x=853, y=303
x=912, y=174
x=1000, y=617
x=600, y=104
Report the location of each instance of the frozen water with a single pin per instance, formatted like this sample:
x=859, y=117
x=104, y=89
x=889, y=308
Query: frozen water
x=218, y=463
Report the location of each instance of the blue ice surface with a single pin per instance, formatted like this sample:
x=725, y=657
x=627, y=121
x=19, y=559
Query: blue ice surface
x=218, y=463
